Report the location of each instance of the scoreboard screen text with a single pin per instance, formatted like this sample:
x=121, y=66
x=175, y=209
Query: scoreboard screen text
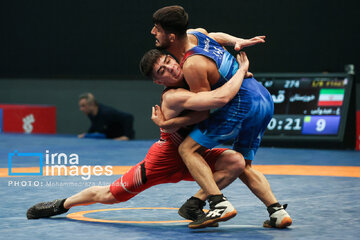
x=307, y=106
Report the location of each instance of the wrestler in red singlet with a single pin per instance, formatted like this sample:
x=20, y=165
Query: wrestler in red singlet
x=162, y=164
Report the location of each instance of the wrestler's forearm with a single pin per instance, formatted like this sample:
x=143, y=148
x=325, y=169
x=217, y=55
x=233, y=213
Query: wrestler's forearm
x=216, y=98
x=187, y=119
x=238, y=43
x=224, y=38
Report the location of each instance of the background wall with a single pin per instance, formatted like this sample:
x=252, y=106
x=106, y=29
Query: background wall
x=51, y=51
x=95, y=38
x=133, y=96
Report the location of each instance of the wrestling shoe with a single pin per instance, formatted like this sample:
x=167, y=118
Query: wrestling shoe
x=192, y=210
x=220, y=210
x=279, y=218
x=46, y=209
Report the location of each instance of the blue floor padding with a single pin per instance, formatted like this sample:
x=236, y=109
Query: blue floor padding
x=321, y=207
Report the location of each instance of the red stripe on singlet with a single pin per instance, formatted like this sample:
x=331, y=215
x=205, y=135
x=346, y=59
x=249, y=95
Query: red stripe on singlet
x=187, y=54
x=176, y=138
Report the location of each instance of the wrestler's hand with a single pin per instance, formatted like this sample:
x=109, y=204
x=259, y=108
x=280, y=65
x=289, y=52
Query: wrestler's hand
x=249, y=75
x=241, y=43
x=243, y=62
x=158, y=118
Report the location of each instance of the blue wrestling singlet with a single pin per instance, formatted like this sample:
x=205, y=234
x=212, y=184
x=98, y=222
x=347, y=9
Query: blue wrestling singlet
x=245, y=118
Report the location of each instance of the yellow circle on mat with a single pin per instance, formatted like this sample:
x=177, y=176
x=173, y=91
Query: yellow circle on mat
x=80, y=216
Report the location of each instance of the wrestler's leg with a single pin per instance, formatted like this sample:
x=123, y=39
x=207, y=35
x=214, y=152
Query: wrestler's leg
x=135, y=181
x=228, y=167
x=91, y=195
x=220, y=208
x=255, y=180
x=258, y=184
x=190, y=151
x=114, y=193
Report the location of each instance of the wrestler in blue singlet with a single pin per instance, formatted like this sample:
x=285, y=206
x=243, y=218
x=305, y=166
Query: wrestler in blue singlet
x=245, y=117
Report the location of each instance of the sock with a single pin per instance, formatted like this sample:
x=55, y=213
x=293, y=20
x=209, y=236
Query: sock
x=215, y=199
x=197, y=199
x=277, y=204
x=62, y=205
x=270, y=208
x=198, y=202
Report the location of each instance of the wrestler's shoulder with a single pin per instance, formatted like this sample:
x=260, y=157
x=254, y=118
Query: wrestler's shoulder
x=202, y=30
x=172, y=91
x=196, y=63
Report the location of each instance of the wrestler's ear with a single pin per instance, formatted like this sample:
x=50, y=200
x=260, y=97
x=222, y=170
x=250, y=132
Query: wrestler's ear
x=172, y=37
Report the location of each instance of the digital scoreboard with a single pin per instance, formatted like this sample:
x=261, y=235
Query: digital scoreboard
x=311, y=109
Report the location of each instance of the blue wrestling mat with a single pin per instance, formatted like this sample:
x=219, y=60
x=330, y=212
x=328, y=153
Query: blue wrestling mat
x=321, y=204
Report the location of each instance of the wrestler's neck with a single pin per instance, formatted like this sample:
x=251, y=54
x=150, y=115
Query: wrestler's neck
x=180, y=84
x=179, y=47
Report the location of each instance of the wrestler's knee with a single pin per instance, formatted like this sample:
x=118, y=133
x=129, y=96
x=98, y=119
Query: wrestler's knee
x=248, y=167
x=189, y=147
x=248, y=171
x=108, y=197
x=119, y=193
x=102, y=194
x=184, y=149
x=233, y=162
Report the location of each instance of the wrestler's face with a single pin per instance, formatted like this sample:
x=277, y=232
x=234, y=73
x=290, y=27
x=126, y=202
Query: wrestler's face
x=167, y=72
x=162, y=39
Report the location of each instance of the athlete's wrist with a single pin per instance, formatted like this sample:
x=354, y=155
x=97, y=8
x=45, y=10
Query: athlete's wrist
x=242, y=71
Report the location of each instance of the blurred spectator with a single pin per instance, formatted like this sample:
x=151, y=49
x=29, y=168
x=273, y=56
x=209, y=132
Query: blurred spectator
x=106, y=122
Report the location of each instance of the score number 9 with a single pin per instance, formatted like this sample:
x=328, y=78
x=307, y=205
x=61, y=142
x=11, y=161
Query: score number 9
x=320, y=125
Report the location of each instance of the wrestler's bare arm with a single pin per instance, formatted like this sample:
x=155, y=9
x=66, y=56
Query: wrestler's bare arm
x=186, y=118
x=181, y=99
x=172, y=116
x=225, y=39
x=206, y=100
x=196, y=73
x=238, y=43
